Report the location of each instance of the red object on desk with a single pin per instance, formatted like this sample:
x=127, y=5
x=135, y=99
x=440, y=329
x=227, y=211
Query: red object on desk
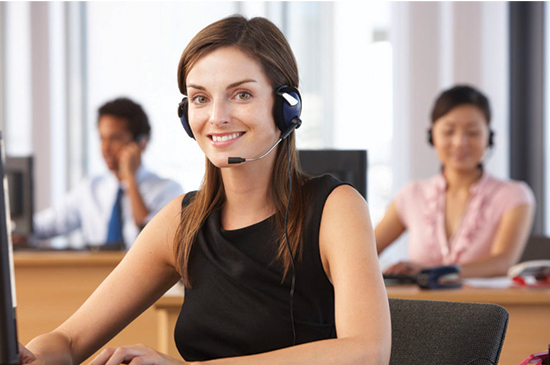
x=540, y=358
x=541, y=281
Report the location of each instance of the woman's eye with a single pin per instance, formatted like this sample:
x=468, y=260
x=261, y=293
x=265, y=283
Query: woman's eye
x=199, y=99
x=243, y=95
x=448, y=132
x=473, y=133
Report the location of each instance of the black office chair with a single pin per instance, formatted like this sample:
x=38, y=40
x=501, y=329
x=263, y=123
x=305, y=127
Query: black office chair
x=537, y=248
x=433, y=332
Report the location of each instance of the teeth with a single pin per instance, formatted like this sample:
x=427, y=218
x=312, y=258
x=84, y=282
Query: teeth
x=227, y=137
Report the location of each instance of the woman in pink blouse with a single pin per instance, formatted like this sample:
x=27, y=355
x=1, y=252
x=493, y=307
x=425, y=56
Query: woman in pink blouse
x=462, y=216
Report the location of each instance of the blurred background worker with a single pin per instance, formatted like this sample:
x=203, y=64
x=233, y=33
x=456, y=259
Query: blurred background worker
x=113, y=207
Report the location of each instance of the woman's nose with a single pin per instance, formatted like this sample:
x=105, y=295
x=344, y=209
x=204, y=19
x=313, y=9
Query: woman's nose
x=220, y=113
x=460, y=139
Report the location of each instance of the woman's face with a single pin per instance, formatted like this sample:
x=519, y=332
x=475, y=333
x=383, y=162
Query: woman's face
x=231, y=106
x=460, y=137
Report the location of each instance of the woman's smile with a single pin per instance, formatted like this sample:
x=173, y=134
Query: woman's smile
x=224, y=139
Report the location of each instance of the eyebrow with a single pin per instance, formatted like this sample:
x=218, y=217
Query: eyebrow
x=238, y=83
x=230, y=86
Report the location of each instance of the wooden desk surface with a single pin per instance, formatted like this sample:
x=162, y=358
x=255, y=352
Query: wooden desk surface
x=51, y=286
x=66, y=258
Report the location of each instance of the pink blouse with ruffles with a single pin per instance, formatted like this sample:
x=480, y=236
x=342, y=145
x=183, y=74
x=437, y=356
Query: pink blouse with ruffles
x=421, y=208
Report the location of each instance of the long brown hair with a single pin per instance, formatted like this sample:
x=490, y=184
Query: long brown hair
x=262, y=40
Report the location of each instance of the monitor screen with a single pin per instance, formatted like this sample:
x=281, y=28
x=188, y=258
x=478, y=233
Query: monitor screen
x=19, y=172
x=9, y=352
x=346, y=165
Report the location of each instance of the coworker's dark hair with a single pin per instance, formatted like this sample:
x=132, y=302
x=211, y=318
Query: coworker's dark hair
x=460, y=95
x=263, y=41
x=137, y=121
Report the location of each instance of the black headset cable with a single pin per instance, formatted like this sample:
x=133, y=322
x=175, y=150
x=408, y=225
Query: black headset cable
x=293, y=278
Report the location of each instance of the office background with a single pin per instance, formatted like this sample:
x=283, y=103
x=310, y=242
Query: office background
x=369, y=73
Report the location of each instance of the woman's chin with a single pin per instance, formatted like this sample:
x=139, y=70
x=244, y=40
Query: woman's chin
x=220, y=162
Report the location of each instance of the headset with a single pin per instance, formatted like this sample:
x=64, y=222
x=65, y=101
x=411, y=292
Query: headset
x=286, y=112
x=490, y=142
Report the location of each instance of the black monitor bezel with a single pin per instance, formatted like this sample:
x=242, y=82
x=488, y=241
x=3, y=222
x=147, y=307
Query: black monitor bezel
x=9, y=350
x=319, y=162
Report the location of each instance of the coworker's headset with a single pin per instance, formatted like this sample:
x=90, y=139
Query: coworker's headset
x=490, y=142
x=286, y=111
x=141, y=137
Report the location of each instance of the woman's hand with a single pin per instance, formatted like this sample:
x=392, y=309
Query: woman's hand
x=28, y=358
x=134, y=355
x=404, y=268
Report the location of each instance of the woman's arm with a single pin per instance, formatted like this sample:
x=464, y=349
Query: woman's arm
x=389, y=228
x=508, y=245
x=145, y=273
x=361, y=305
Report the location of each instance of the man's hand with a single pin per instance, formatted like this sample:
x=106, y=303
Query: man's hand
x=130, y=160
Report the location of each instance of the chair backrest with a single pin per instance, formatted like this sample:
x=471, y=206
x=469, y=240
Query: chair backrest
x=433, y=332
x=537, y=248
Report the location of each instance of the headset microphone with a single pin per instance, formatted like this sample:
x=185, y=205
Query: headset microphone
x=296, y=122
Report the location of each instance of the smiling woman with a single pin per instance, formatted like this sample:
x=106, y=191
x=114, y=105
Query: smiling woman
x=266, y=253
x=463, y=216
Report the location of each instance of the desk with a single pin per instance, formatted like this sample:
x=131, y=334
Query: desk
x=50, y=286
x=528, y=327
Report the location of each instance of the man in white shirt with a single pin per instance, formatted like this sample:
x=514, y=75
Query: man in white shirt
x=112, y=208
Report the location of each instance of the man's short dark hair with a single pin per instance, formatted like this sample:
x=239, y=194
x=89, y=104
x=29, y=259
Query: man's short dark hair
x=138, y=123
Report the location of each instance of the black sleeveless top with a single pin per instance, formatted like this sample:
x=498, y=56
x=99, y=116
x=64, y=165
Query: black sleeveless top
x=237, y=304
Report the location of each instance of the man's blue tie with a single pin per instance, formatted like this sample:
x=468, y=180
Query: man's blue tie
x=114, y=233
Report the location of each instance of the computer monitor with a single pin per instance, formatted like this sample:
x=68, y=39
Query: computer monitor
x=19, y=172
x=9, y=352
x=347, y=165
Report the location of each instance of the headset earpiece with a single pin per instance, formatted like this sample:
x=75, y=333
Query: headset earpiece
x=430, y=137
x=182, y=114
x=491, y=141
x=287, y=109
